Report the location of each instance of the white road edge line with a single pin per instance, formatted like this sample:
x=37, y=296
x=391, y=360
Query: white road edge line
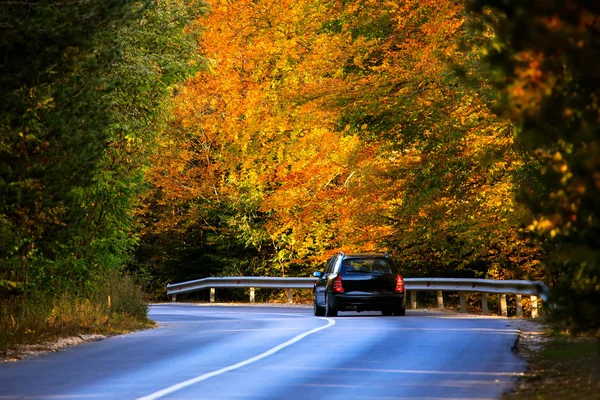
x=208, y=375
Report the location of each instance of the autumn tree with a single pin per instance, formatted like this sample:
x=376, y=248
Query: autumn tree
x=410, y=80
x=543, y=58
x=252, y=165
x=327, y=126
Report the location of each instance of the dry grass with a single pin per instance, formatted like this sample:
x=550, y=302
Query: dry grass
x=117, y=305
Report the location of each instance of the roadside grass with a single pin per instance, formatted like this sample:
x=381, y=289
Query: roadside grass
x=562, y=368
x=117, y=305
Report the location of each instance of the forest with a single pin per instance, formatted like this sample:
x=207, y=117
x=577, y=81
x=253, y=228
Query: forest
x=145, y=142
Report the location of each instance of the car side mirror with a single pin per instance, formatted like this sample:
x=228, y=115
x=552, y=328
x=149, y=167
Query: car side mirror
x=317, y=274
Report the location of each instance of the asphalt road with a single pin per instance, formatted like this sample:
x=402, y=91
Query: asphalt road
x=230, y=352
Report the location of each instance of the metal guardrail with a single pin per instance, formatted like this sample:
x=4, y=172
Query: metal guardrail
x=519, y=288
x=262, y=282
x=529, y=288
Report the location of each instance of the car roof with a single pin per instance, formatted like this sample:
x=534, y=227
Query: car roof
x=364, y=255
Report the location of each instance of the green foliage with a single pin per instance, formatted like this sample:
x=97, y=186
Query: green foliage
x=86, y=87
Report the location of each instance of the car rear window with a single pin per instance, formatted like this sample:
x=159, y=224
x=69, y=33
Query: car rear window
x=367, y=266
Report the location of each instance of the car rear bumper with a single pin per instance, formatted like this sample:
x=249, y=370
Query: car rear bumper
x=368, y=301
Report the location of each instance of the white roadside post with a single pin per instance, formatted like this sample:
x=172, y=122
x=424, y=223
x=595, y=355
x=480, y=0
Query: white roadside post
x=484, y=306
x=534, y=307
x=290, y=295
x=519, y=305
x=251, y=295
x=174, y=298
x=503, y=311
x=440, y=299
x=212, y=294
x=413, y=299
x=463, y=302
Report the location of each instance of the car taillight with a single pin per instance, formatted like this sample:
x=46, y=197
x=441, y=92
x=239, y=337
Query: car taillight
x=337, y=285
x=399, y=284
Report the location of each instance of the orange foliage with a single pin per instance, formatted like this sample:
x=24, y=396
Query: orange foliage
x=342, y=126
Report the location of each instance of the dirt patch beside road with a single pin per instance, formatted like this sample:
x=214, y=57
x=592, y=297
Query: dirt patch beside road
x=30, y=350
x=559, y=367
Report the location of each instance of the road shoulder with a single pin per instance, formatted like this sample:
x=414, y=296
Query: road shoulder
x=559, y=367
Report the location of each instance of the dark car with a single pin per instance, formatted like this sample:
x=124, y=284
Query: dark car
x=359, y=282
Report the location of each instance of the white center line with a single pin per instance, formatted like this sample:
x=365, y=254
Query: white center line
x=208, y=375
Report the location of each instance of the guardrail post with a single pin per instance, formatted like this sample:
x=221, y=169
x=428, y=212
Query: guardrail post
x=463, y=302
x=519, y=305
x=290, y=296
x=413, y=299
x=212, y=294
x=534, y=307
x=503, y=311
x=251, y=295
x=174, y=298
x=440, y=299
x=484, y=306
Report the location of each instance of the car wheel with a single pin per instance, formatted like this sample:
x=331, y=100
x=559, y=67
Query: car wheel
x=329, y=310
x=400, y=311
x=387, y=313
x=319, y=311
